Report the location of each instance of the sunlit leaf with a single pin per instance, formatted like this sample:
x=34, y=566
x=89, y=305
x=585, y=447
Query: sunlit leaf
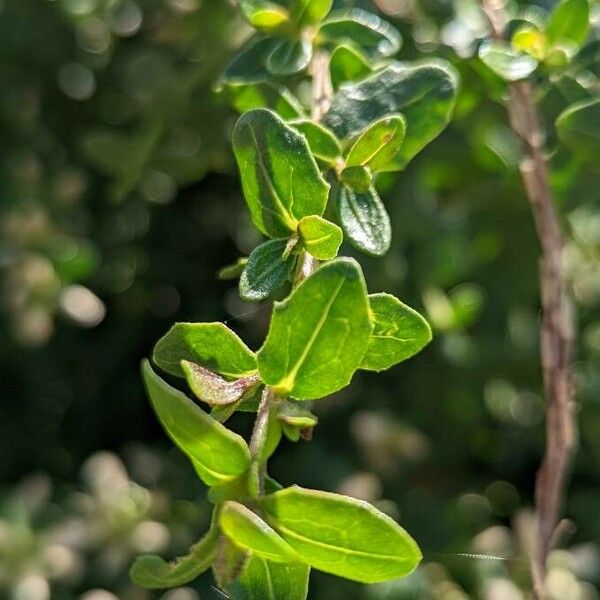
x=357, y=178
x=347, y=64
x=506, y=61
x=320, y=237
x=310, y=12
x=264, y=15
x=322, y=142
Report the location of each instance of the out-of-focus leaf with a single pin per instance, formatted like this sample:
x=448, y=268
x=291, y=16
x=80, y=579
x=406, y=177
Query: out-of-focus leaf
x=569, y=22
x=579, y=128
x=263, y=94
x=246, y=529
x=323, y=143
x=266, y=270
x=248, y=65
x=357, y=178
x=425, y=94
x=376, y=37
x=217, y=453
x=211, y=345
x=505, y=61
x=378, y=145
x=289, y=57
x=347, y=64
x=310, y=12
x=264, y=15
x=152, y=571
x=320, y=237
x=318, y=335
x=364, y=220
x=280, y=178
x=341, y=535
x=234, y=270
x=399, y=332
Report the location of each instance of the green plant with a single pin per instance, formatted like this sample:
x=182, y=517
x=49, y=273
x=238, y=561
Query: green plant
x=308, y=183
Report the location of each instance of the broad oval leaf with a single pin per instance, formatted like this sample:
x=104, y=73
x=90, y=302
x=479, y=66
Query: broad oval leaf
x=399, y=332
x=505, y=61
x=262, y=94
x=378, y=145
x=266, y=580
x=364, y=219
x=280, y=178
x=347, y=64
x=310, y=12
x=357, y=178
x=212, y=345
x=318, y=335
x=213, y=389
x=218, y=454
x=425, y=94
x=151, y=571
x=569, y=22
x=320, y=237
x=267, y=270
x=289, y=57
x=323, y=144
x=578, y=128
x=246, y=529
x=376, y=37
x=341, y=535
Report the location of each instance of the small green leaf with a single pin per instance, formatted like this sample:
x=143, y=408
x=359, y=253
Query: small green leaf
x=246, y=529
x=347, y=64
x=357, y=178
x=289, y=57
x=217, y=453
x=425, y=94
x=263, y=94
x=248, y=65
x=399, y=333
x=211, y=345
x=378, y=145
x=320, y=237
x=267, y=580
x=266, y=270
x=323, y=144
x=213, y=389
x=264, y=15
x=310, y=12
x=280, y=178
x=376, y=37
x=569, y=22
x=341, y=535
x=505, y=61
x=293, y=413
x=364, y=220
x=318, y=335
x=234, y=270
x=153, y=572
x=578, y=128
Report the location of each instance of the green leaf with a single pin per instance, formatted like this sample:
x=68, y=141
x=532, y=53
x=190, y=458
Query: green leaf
x=377, y=146
x=217, y=453
x=399, y=333
x=263, y=94
x=347, y=64
x=376, y=37
x=320, y=237
x=211, y=345
x=249, y=63
x=569, y=22
x=318, y=335
x=266, y=270
x=505, y=61
x=289, y=57
x=233, y=270
x=267, y=580
x=229, y=563
x=264, y=15
x=152, y=571
x=323, y=144
x=292, y=413
x=357, y=178
x=280, y=178
x=364, y=220
x=246, y=529
x=341, y=535
x=213, y=389
x=310, y=12
x=578, y=128
x=425, y=94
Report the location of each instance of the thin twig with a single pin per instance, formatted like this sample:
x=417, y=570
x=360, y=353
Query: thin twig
x=557, y=333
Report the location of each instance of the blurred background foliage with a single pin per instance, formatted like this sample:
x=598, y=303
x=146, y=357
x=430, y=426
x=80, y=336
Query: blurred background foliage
x=118, y=204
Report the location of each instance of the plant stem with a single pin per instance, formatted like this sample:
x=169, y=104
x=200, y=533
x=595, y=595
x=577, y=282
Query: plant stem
x=322, y=92
x=557, y=333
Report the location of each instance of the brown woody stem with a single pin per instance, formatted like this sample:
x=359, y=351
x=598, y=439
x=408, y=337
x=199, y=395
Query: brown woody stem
x=557, y=333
